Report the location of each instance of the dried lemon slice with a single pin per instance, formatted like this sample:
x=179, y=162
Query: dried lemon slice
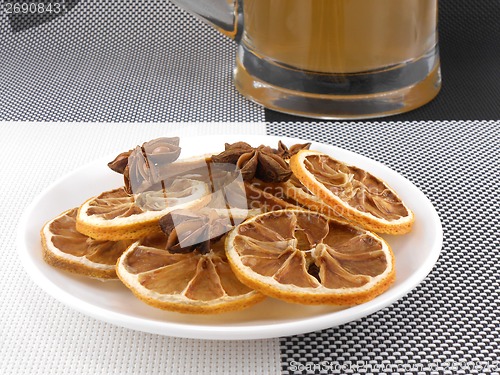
x=295, y=195
x=261, y=199
x=352, y=192
x=306, y=257
x=65, y=248
x=189, y=283
x=116, y=215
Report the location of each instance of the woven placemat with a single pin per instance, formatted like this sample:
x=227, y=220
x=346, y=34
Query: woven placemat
x=117, y=61
x=151, y=61
x=448, y=324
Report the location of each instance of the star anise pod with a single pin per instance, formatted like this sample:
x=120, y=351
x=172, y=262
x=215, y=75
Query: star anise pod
x=120, y=162
x=261, y=162
x=188, y=231
x=146, y=166
x=287, y=152
x=232, y=152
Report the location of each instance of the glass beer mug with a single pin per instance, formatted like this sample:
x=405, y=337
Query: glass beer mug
x=331, y=59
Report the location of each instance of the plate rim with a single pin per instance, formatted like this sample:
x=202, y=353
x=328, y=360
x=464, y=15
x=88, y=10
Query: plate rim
x=218, y=332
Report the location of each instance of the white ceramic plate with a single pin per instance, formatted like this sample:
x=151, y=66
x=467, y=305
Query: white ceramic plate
x=110, y=301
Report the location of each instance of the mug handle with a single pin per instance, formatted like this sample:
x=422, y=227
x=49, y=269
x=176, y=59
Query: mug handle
x=226, y=16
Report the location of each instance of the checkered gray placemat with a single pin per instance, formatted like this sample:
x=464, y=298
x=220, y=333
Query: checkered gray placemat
x=117, y=61
x=450, y=323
